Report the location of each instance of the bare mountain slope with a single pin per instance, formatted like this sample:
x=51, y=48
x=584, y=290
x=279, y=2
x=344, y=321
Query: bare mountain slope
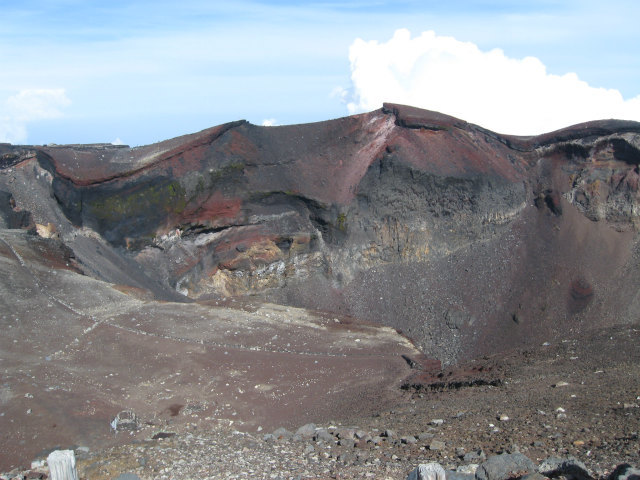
x=125, y=260
x=465, y=239
x=76, y=351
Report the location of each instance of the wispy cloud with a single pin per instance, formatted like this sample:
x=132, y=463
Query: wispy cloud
x=504, y=94
x=157, y=69
x=28, y=106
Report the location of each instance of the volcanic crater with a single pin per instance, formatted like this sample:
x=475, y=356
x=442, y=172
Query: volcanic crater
x=271, y=276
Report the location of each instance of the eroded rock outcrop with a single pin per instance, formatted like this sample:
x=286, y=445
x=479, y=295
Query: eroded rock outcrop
x=398, y=216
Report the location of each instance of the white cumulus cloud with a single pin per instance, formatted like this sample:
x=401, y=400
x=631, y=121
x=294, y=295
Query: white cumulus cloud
x=27, y=106
x=269, y=122
x=507, y=95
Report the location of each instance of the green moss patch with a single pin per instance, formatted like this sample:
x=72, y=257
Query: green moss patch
x=154, y=199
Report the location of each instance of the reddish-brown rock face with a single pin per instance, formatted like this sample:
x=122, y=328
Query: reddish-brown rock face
x=412, y=218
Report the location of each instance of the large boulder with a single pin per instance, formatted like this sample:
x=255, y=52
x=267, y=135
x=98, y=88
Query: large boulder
x=505, y=466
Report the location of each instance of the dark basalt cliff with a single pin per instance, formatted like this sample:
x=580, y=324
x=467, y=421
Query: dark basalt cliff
x=466, y=240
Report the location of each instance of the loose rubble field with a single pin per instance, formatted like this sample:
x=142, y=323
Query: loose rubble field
x=573, y=399
x=577, y=398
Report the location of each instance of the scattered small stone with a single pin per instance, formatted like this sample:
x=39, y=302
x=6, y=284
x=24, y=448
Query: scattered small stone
x=323, y=435
x=437, y=445
x=282, y=434
x=469, y=469
x=307, y=431
x=346, y=458
x=513, y=449
x=347, y=442
x=437, y=421
x=345, y=433
x=474, y=457
x=361, y=443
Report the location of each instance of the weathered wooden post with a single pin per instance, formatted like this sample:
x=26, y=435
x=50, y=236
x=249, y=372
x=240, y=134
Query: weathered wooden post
x=62, y=465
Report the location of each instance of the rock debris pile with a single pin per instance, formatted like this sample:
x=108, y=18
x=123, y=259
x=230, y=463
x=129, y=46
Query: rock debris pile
x=312, y=452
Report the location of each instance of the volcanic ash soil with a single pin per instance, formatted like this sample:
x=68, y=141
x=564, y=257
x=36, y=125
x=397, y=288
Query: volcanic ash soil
x=576, y=398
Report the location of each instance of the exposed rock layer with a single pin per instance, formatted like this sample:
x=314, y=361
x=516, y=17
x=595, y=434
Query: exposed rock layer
x=466, y=240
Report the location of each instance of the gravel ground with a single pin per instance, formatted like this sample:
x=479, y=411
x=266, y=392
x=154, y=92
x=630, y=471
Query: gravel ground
x=577, y=397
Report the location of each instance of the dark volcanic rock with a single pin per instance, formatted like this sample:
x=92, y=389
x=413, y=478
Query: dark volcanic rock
x=569, y=468
x=10, y=217
x=505, y=466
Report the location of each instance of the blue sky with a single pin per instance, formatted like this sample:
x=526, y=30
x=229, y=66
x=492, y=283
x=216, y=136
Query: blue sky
x=142, y=71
